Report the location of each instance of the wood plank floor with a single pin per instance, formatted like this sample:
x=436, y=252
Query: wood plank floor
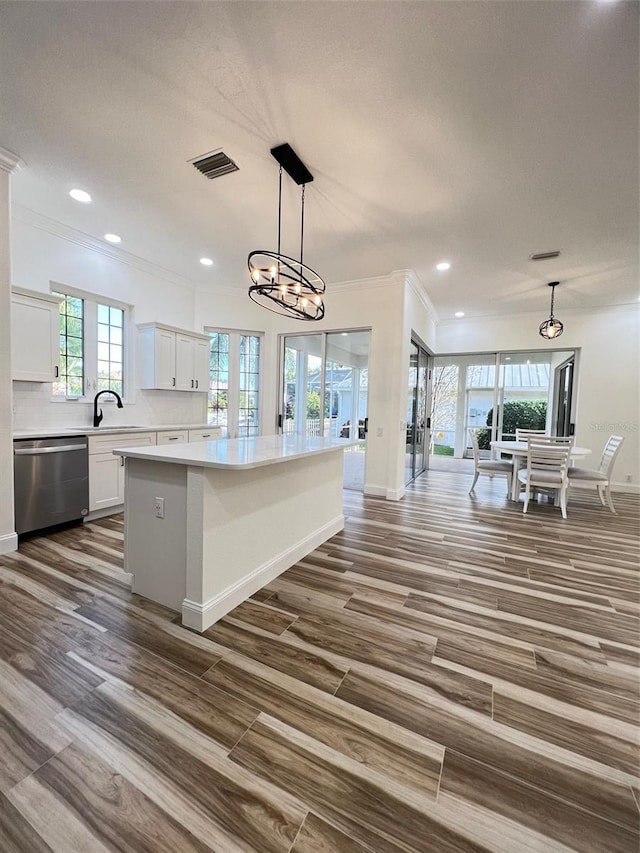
x=444, y=675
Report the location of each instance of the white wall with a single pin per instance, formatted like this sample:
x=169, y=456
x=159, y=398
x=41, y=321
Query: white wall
x=40, y=257
x=608, y=393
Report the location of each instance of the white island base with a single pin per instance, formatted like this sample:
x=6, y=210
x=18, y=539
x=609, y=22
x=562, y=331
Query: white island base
x=237, y=513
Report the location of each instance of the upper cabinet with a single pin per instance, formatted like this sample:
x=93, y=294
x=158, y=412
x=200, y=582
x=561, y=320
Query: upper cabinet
x=171, y=359
x=35, y=336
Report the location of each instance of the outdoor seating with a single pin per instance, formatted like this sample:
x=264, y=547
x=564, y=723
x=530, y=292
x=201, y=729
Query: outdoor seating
x=488, y=466
x=547, y=465
x=600, y=477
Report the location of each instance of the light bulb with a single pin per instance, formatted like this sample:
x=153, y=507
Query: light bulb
x=297, y=287
x=318, y=300
x=255, y=275
x=304, y=301
x=551, y=331
x=272, y=272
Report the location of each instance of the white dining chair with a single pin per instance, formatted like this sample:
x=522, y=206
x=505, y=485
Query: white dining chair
x=600, y=477
x=547, y=465
x=488, y=466
x=523, y=434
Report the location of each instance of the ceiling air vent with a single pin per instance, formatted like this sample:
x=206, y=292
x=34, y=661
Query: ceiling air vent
x=214, y=164
x=544, y=256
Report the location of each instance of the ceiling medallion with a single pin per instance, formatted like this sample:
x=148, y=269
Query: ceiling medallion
x=282, y=284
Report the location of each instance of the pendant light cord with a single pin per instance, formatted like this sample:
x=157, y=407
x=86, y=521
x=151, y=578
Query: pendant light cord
x=553, y=293
x=302, y=223
x=279, y=207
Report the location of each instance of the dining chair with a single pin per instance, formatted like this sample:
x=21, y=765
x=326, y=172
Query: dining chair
x=547, y=464
x=523, y=434
x=488, y=466
x=600, y=477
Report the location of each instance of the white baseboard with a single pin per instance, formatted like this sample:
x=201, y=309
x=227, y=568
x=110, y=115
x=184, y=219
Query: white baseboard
x=104, y=512
x=8, y=542
x=395, y=494
x=375, y=491
x=201, y=616
x=384, y=492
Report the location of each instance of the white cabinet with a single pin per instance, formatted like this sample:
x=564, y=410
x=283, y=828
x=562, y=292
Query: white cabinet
x=171, y=359
x=209, y=434
x=174, y=437
x=106, y=471
x=35, y=336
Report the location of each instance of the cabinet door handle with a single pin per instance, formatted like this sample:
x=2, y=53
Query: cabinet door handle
x=173, y=438
x=57, y=371
x=196, y=383
x=206, y=435
x=122, y=461
x=173, y=381
x=192, y=383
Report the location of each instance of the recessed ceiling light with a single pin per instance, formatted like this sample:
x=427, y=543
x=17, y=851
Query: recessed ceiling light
x=508, y=358
x=80, y=195
x=112, y=238
x=344, y=334
x=206, y=262
x=459, y=314
x=443, y=265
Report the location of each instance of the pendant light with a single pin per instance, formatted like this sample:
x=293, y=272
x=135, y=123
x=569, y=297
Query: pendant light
x=551, y=328
x=282, y=284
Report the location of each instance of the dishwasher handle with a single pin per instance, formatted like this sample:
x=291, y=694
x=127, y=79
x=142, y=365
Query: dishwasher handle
x=38, y=451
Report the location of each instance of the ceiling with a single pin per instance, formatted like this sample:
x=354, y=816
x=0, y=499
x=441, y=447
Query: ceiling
x=473, y=132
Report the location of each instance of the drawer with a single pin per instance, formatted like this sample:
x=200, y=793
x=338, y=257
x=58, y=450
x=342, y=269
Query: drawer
x=107, y=443
x=210, y=434
x=175, y=437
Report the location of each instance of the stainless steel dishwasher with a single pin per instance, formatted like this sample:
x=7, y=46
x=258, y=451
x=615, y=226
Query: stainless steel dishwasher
x=51, y=481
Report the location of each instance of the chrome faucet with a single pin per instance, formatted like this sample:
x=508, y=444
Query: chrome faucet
x=98, y=417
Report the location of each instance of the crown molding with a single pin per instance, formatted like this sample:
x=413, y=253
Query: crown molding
x=366, y=283
x=10, y=162
x=86, y=241
x=418, y=288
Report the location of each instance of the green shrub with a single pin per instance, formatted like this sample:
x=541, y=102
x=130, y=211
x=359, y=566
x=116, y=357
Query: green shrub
x=520, y=414
x=442, y=450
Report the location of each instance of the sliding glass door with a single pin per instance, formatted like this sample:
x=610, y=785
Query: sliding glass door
x=417, y=437
x=324, y=391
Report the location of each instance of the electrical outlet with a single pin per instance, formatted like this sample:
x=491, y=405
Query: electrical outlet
x=159, y=507
x=629, y=478
x=379, y=432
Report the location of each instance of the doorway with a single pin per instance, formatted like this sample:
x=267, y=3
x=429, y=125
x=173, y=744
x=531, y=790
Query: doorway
x=324, y=392
x=417, y=437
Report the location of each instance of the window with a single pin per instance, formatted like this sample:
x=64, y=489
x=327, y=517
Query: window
x=234, y=383
x=92, y=345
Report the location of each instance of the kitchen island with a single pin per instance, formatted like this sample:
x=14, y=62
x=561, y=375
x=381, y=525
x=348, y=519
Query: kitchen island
x=208, y=524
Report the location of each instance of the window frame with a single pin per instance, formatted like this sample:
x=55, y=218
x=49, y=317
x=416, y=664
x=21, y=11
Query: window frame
x=90, y=343
x=233, y=387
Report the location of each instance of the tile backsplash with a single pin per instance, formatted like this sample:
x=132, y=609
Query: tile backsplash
x=33, y=408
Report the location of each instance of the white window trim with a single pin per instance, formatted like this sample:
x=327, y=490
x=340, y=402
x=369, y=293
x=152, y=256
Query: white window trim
x=90, y=347
x=233, y=391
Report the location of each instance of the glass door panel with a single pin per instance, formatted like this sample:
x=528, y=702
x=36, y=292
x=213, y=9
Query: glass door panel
x=302, y=385
x=325, y=391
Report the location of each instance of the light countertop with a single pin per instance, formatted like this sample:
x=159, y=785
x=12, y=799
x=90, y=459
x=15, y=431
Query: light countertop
x=238, y=453
x=54, y=432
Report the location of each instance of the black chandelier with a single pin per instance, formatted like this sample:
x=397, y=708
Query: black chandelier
x=282, y=284
x=551, y=328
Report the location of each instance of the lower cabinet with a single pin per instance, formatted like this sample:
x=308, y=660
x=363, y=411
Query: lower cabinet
x=106, y=471
x=209, y=434
x=175, y=437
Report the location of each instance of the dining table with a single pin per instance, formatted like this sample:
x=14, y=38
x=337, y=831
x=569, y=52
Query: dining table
x=518, y=450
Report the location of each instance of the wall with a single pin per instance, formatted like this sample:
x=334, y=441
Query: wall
x=40, y=257
x=608, y=392
x=377, y=304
